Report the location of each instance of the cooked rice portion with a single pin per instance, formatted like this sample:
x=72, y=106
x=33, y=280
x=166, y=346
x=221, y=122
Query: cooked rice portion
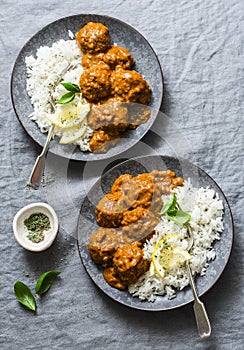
x=43, y=74
x=206, y=211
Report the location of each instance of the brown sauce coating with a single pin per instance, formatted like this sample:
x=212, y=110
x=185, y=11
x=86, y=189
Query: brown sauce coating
x=142, y=229
x=128, y=266
x=119, y=183
x=109, y=211
x=107, y=79
x=111, y=208
x=131, y=199
x=118, y=56
x=101, y=140
x=114, y=117
x=110, y=117
x=115, y=57
x=127, y=217
x=132, y=216
x=144, y=190
x=95, y=83
x=127, y=193
x=93, y=38
x=129, y=263
x=89, y=59
x=113, y=279
x=137, y=113
x=131, y=86
x=103, y=244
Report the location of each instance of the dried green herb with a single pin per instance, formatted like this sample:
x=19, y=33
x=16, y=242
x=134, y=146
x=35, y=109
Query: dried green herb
x=24, y=295
x=45, y=281
x=36, y=224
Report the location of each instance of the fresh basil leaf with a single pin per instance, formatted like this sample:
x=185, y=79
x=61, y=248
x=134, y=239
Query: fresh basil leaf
x=179, y=217
x=45, y=281
x=24, y=295
x=172, y=212
x=170, y=205
x=66, y=98
x=71, y=87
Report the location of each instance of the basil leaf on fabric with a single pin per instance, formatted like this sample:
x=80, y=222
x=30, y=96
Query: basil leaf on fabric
x=66, y=98
x=71, y=87
x=24, y=295
x=45, y=281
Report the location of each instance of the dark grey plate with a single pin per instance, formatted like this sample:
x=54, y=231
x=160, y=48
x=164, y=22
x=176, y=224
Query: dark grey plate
x=122, y=34
x=87, y=224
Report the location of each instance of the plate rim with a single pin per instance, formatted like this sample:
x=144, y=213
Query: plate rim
x=69, y=17
x=200, y=294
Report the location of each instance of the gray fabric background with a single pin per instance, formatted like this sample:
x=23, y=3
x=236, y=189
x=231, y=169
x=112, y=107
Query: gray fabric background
x=199, y=46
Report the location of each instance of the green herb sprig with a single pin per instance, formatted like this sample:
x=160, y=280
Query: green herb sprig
x=174, y=214
x=23, y=292
x=69, y=96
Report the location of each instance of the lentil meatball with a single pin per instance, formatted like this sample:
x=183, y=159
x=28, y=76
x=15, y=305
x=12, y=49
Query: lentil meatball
x=144, y=190
x=95, y=83
x=137, y=114
x=142, y=229
x=93, y=38
x=129, y=263
x=118, y=183
x=103, y=244
x=118, y=56
x=109, y=117
x=101, y=141
x=109, y=212
x=113, y=279
x=131, y=86
x=89, y=59
x=132, y=216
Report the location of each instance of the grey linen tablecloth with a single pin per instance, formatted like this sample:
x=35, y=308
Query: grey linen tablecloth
x=199, y=47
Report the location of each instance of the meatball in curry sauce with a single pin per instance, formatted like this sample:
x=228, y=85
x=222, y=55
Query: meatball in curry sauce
x=127, y=216
x=93, y=38
x=129, y=265
x=131, y=86
x=118, y=56
x=95, y=83
x=107, y=79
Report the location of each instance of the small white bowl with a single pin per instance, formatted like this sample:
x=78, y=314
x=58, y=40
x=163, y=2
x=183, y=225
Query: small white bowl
x=20, y=230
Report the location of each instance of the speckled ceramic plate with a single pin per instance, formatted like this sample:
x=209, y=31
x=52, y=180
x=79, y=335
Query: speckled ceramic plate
x=87, y=224
x=120, y=33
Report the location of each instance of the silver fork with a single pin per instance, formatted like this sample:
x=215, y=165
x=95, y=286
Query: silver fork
x=201, y=316
x=203, y=323
x=39, y=166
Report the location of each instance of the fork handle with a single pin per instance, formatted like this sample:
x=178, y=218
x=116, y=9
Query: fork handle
x=39, y=166
x=37, y=172
x=203, y=323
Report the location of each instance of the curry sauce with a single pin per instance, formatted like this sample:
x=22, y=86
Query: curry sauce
x=127, y=216
x=108, y=79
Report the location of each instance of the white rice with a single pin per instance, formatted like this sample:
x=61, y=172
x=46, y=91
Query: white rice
x=43, y=71
x=206, y=211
